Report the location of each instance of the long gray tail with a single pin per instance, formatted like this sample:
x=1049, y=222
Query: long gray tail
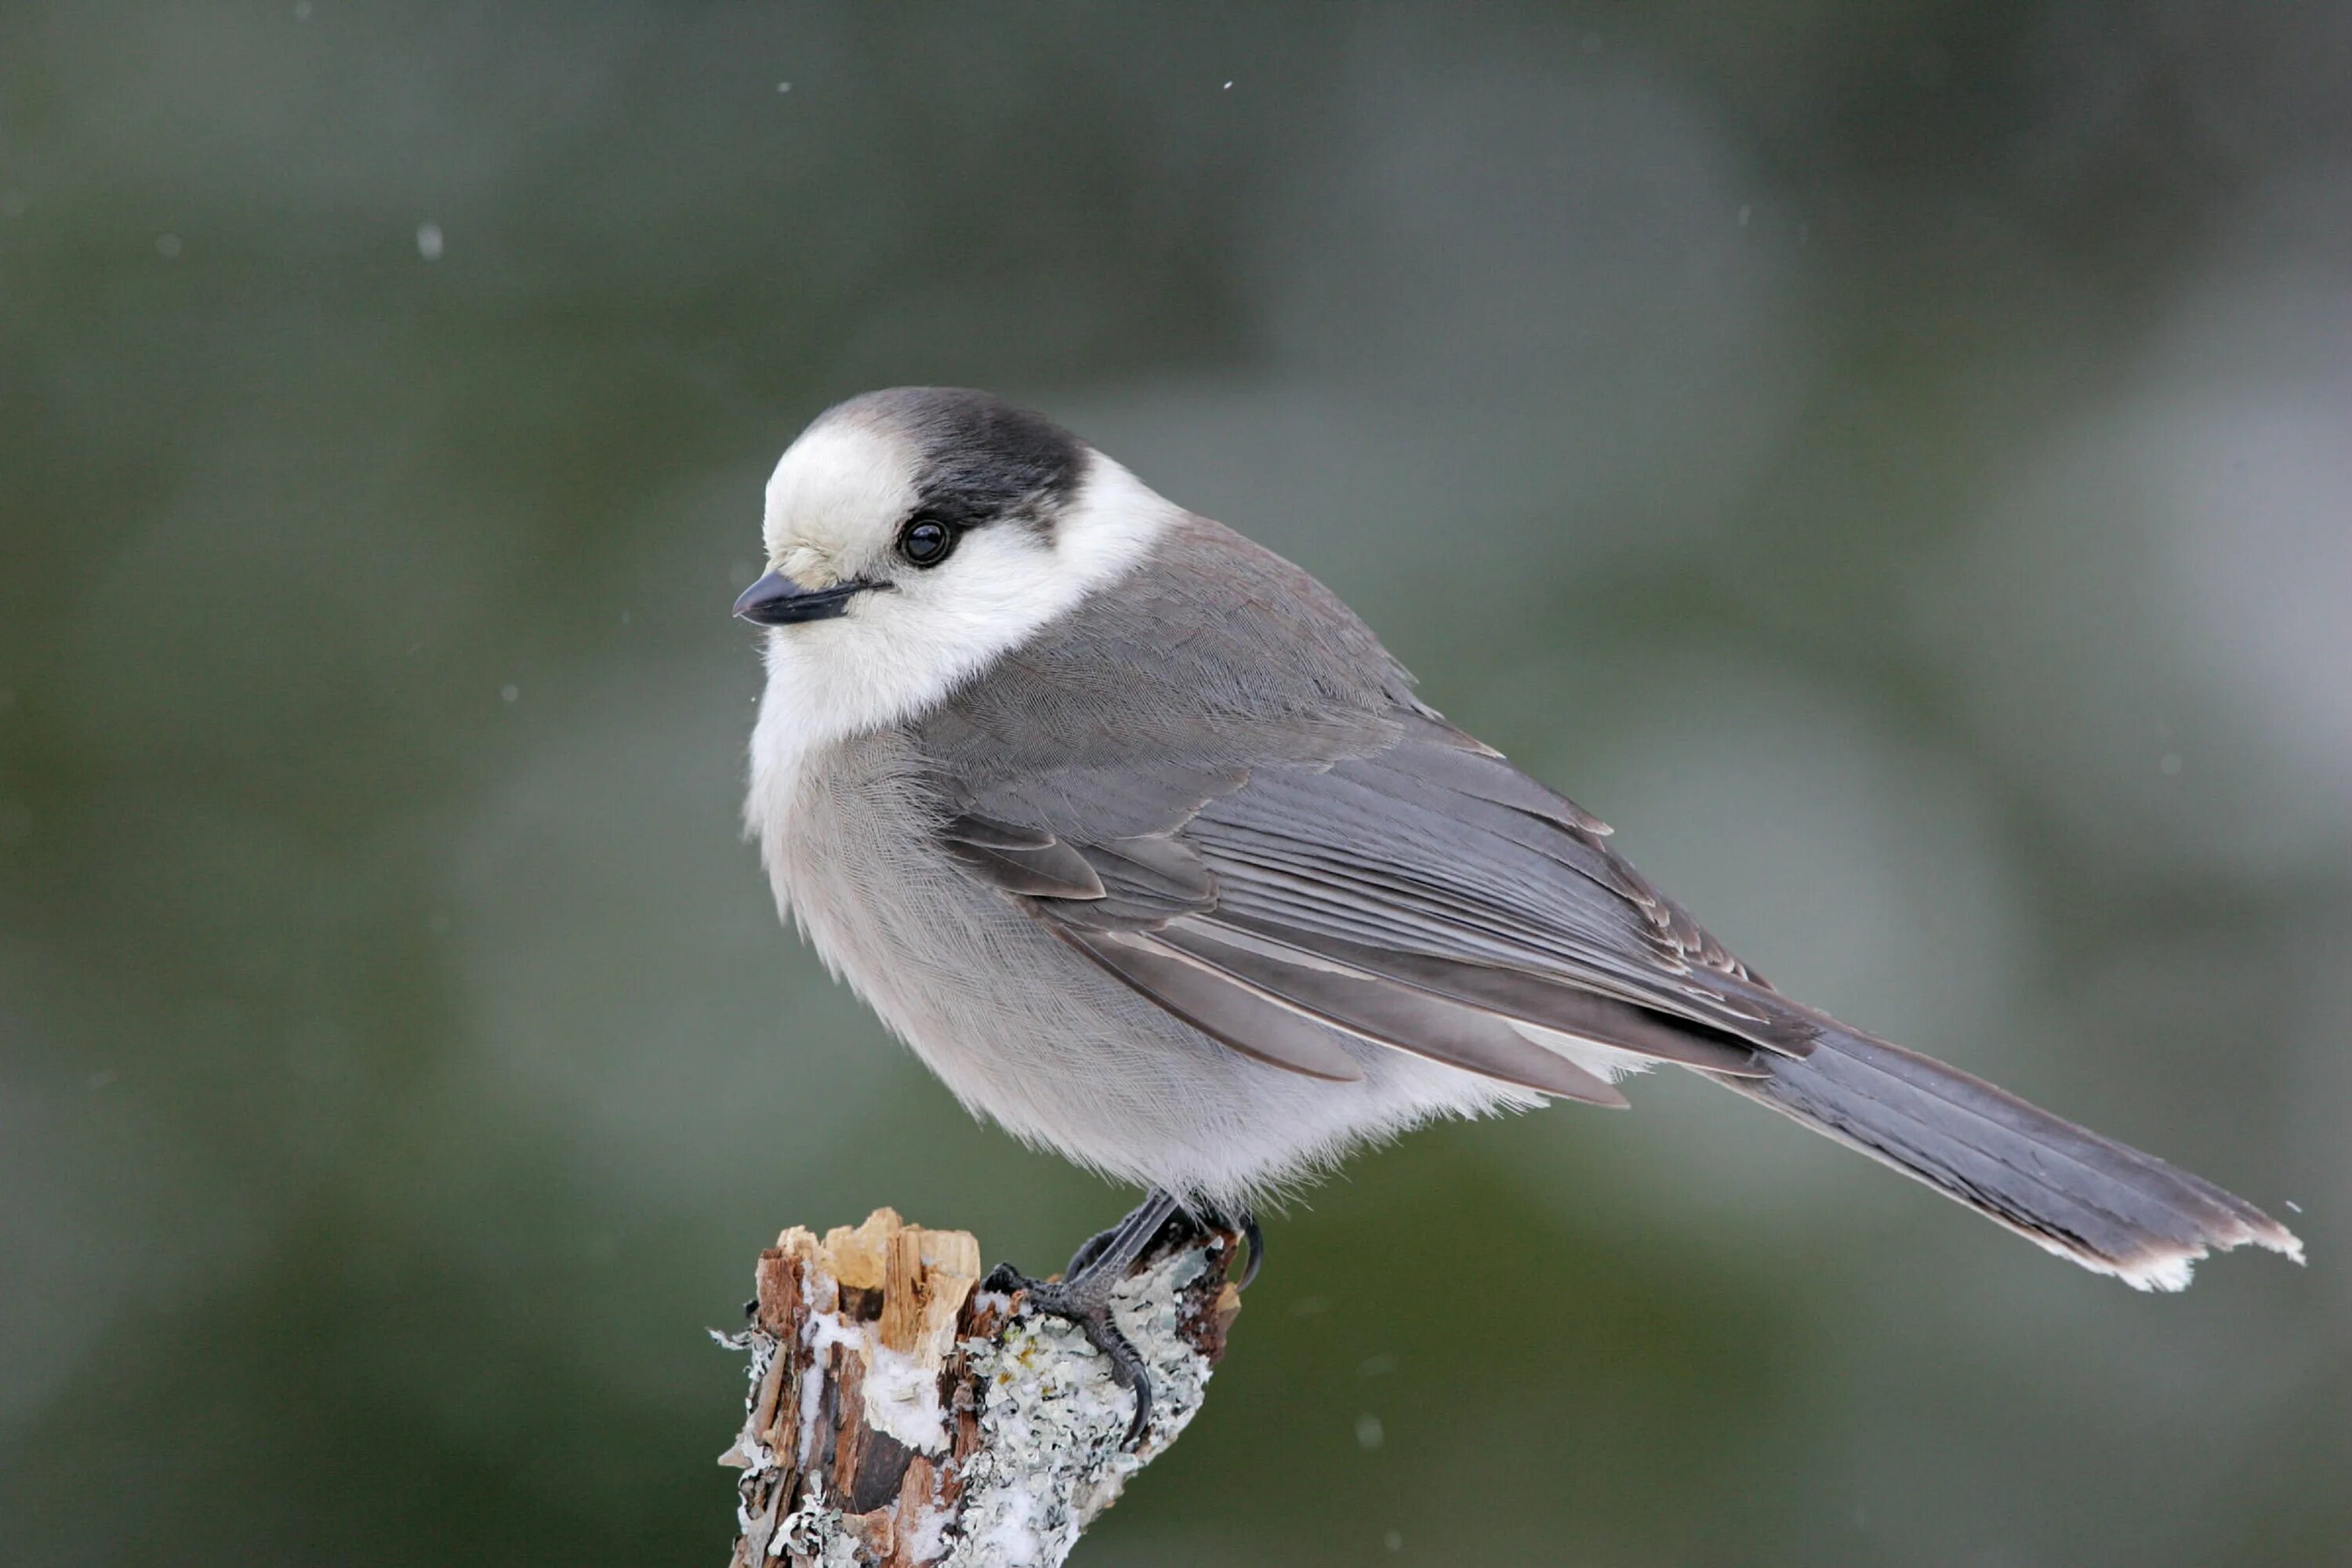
x=2108, y=1207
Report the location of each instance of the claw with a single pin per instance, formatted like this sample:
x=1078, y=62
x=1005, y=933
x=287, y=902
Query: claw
x=1127, y=1369
x=1245, y=1222
x=1007, y=1281
x=1256, y=1239
x=1092, y=1318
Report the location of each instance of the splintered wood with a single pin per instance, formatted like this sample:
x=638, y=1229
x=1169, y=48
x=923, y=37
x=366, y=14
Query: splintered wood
x=899, y=1417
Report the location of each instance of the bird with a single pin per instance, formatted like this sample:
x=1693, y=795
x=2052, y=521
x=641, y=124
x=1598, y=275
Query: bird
x=1145, y=845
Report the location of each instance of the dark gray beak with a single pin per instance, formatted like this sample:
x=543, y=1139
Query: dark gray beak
x=775, y=600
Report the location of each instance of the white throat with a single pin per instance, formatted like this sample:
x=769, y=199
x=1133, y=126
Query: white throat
x=895, y=654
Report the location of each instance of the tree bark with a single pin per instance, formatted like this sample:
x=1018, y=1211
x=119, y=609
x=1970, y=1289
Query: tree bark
x=900, y=1415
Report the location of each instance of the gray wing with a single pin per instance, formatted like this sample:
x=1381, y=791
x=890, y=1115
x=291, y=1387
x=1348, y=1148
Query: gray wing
x=1246, y=816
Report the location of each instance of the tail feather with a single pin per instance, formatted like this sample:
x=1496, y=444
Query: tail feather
x=2107, y=1207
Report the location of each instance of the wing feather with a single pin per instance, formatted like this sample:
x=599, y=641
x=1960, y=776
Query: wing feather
x=1531, y=999
x=1216, y=784
x=1234, y=1015
x=1047, y=871
x=1398, y=1017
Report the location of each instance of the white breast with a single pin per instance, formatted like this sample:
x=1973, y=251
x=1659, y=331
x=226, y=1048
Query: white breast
x=896, y=653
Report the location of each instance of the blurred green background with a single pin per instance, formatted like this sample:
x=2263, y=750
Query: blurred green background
x=1894, y=462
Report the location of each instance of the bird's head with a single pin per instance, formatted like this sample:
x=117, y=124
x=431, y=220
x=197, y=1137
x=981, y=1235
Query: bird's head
x=913, y=536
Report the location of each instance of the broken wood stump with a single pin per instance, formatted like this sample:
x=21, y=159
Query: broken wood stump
x=900, y=1415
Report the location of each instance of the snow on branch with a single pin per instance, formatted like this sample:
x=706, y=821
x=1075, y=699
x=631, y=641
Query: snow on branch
x=901, y=1415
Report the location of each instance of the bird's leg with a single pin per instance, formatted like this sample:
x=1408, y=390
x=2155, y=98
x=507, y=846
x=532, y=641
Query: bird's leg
x=1203, y=1221
x=1082, y=1296
x=1091, y=1248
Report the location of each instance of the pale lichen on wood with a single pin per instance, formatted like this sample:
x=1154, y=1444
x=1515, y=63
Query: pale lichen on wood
x=901, y=1415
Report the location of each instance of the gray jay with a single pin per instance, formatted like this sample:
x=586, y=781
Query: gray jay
x=1144, y=844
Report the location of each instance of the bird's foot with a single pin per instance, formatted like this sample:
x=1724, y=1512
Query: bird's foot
x=1082, y=1297
x=1084, y=1305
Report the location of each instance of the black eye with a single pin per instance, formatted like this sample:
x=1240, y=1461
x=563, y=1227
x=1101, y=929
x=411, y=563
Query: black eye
x=926, y=543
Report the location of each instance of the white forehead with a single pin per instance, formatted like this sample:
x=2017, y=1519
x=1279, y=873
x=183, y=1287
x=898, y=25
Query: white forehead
x=894, y=654
x=837, y=487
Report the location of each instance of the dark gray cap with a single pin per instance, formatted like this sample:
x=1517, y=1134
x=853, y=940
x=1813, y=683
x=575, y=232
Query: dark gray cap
x=978, y=459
